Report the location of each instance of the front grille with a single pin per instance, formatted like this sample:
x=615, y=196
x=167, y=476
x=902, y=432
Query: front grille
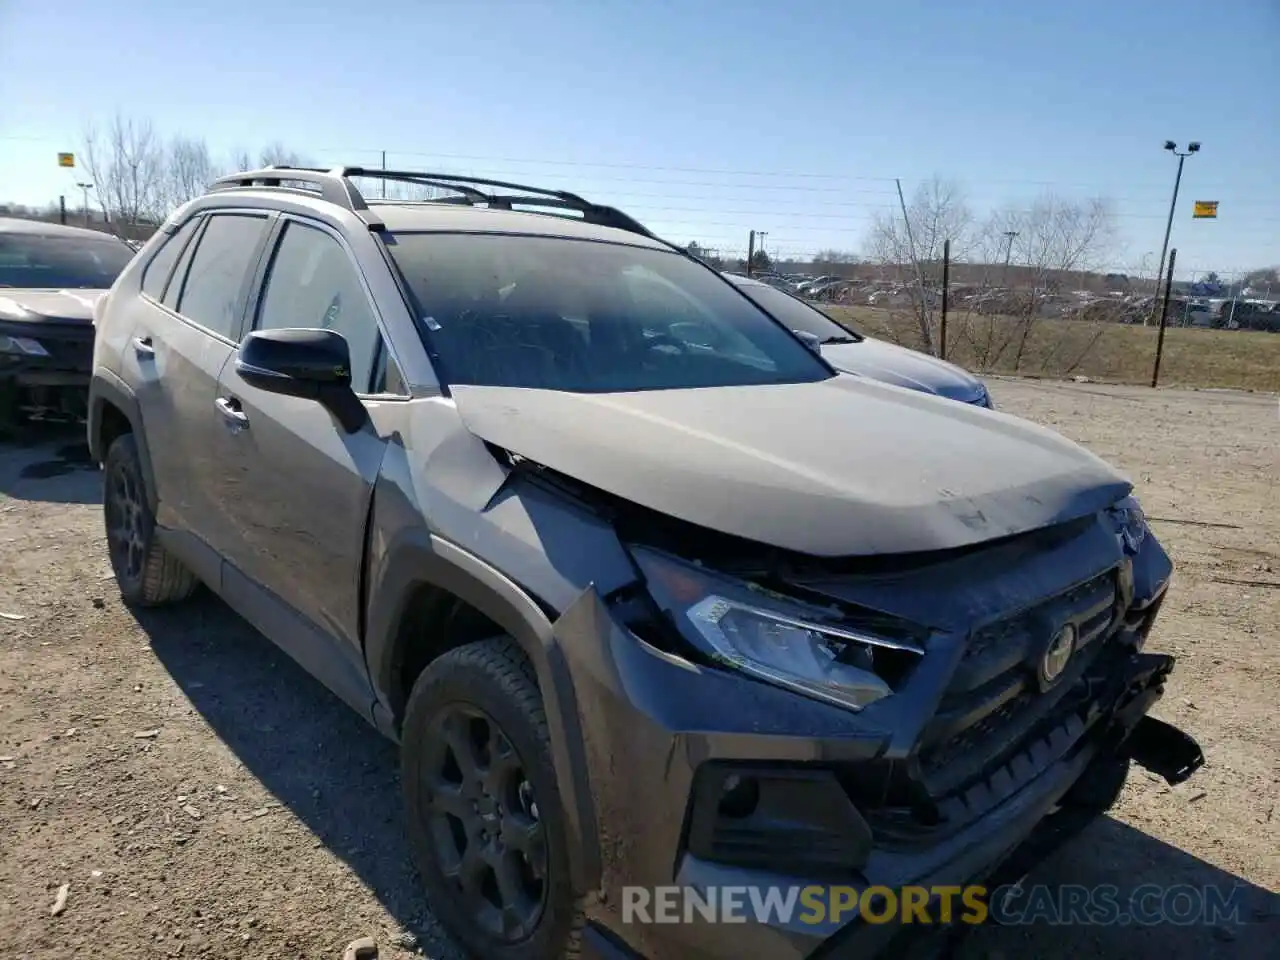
x=994, y=703
x=997, y=647
x=971, y=740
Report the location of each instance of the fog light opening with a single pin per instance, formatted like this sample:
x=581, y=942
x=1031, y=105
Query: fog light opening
x=739, y=796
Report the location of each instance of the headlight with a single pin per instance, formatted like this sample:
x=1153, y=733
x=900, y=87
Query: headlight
x=772, y=638
x=1131, y=523
x=31, y=348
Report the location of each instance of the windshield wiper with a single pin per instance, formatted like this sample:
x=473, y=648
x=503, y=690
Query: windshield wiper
x=841, y=339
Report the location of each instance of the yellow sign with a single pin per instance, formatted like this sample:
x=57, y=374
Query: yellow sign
x=1206, y=210
x=66, y=159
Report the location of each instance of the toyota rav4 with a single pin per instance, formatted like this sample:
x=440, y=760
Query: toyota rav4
x=643, y=602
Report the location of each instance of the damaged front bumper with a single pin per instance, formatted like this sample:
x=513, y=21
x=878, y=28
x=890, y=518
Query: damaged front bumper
x=666, y=744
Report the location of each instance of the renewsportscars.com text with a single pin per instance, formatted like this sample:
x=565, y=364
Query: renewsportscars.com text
x=1068, y=904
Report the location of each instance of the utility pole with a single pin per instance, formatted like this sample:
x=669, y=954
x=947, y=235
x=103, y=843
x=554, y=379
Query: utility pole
x=1164, y=316
x=384, y=170
x=1193, y=147
x=762, y=234
x=1008, y=255
x=62, y=209
x=946, y=283
x=751, y=250
x=84, y=190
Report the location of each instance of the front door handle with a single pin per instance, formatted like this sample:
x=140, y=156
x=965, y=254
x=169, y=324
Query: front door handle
x=229, y=408
x=143, y=347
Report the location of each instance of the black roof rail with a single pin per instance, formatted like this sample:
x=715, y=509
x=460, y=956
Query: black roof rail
x=596, y=213
x=455, y=181
x=335, y=186
x=529, y=196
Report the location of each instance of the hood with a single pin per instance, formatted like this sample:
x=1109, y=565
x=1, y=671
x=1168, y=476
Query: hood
x=40, y=306
x=890, y=363
x=841, y=467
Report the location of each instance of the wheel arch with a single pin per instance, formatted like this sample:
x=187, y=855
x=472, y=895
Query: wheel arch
x=114, y=411
x=420, y=568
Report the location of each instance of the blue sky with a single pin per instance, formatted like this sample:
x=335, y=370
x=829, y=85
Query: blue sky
x=702, y=118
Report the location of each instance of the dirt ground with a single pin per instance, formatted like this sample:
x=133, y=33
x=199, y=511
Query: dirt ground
x=201, y=796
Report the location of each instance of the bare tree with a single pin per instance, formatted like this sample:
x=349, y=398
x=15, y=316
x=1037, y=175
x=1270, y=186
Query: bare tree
x=139, y=179
x=277, y=154
x=274, y=154
x=188, y=171
x=1048, y=245
x=125, y=163
x=241, y=160
x=913, y=247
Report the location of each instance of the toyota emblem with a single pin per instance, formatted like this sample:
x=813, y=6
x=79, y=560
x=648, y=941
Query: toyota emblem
x=1058, y=654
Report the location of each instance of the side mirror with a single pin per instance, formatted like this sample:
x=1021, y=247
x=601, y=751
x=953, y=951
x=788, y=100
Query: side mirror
x=310, y=364
x=810, y=340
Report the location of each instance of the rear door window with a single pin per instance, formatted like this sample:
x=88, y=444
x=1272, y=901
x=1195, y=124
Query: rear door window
x=178, y=277
x=160, y=269
x=213, y=291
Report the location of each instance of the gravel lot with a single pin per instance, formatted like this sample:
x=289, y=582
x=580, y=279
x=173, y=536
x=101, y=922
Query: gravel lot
x=203, y=797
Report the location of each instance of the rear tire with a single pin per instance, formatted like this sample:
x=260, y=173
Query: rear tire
x=485, y=817
x=147, y=574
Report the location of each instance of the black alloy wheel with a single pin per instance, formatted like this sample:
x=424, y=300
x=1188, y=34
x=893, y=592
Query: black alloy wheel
x=483, y=822
x=126, y=509
x=486, y=824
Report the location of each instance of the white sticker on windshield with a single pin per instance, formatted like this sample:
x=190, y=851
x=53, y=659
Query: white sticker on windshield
x=431, y=323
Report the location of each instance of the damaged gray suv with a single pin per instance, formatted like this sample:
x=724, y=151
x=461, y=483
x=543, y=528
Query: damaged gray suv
x=648, y=593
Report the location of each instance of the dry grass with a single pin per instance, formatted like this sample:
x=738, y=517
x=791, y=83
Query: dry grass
x=1117, y=353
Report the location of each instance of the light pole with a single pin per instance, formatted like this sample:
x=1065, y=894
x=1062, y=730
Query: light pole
x=1193, y=147
x=84, y=191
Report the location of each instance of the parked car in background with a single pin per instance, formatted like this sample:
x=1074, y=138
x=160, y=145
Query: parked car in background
x=852, y=352
x=826, y=291
x=804, y=288
x=51, y=276
x=1254, y=315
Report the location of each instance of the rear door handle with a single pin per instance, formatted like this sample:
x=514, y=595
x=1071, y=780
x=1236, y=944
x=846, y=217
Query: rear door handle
x=235, y=418
x=142, y=347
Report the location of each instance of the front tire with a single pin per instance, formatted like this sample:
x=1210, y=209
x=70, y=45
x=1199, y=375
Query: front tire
x=486, y=825
x=147, y=574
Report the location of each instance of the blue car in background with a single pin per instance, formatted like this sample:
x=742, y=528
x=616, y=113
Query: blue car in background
x=867, y=357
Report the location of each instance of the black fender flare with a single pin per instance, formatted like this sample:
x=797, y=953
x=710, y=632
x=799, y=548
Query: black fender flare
x=105, y=388
x=416, y=558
